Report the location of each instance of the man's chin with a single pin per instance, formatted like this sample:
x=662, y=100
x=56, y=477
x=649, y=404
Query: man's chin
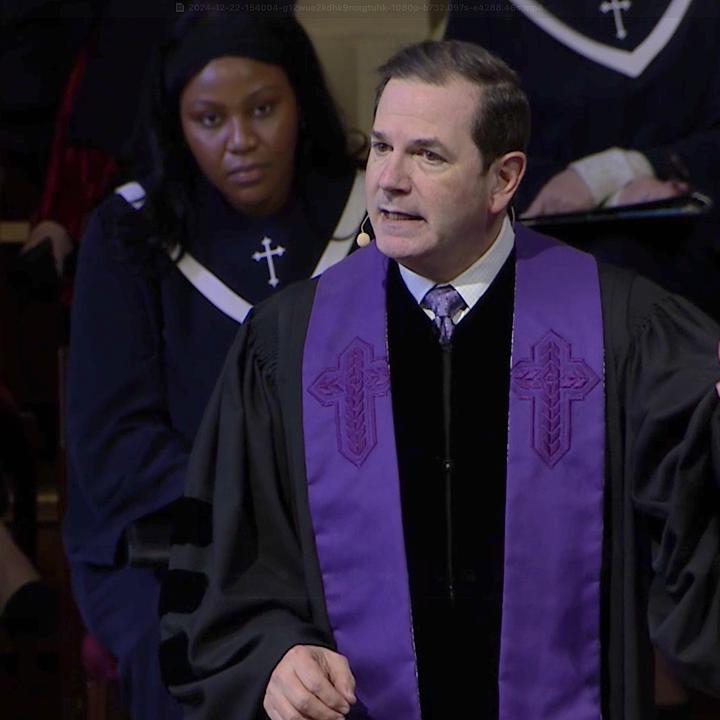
x=397, y=248
x=410, y=257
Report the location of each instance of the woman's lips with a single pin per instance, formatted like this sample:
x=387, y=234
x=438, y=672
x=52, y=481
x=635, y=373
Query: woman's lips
x=247, y=175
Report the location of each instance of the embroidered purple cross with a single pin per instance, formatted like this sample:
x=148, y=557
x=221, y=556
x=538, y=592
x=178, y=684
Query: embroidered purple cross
x=352, y=387
x=552, y=379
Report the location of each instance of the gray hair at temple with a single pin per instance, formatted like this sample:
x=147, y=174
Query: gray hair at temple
x=502, y=118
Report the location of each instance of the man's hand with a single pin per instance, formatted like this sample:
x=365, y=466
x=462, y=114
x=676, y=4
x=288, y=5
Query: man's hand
x=564, y=193
x=310, y=683
x=649, y=189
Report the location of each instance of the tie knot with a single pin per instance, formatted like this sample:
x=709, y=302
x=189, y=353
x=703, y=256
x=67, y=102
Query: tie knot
x=444, y=301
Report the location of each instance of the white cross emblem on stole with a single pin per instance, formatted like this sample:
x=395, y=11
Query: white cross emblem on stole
x=616, y=7
x=268, y=255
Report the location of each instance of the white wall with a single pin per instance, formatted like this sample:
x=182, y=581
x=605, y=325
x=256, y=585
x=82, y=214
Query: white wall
x=353, y=37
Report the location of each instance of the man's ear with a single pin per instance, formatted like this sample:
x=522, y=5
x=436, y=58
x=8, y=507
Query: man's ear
x=506, y=173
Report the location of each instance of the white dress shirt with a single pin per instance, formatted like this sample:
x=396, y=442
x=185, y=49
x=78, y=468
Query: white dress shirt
x=471, y=283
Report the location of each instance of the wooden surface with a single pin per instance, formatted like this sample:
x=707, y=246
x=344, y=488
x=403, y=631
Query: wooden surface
x=14, y=231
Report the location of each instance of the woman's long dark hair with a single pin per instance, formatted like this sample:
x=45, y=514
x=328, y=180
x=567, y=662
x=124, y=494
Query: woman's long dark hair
x=159, y=154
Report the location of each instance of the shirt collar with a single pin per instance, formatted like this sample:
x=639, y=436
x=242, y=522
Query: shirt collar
x=473, y=282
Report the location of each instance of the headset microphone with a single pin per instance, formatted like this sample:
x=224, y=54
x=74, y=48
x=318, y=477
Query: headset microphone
x=363, y=239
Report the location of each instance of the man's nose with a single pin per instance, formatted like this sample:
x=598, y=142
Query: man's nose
x=394, y=177
x=241, y=137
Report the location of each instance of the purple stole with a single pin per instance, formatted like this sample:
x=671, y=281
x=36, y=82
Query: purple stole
x=550, y=636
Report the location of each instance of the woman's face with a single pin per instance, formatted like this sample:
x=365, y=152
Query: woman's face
x=240, y=119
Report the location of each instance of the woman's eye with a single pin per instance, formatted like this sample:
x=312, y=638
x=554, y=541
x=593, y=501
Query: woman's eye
x=210, y=120
x=263, y=110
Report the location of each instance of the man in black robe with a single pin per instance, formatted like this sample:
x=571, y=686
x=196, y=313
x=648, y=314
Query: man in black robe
x=381, y=521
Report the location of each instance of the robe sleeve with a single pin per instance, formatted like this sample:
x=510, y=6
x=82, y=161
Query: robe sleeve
x=673, y=461
x=125, y=457
x=235, y=598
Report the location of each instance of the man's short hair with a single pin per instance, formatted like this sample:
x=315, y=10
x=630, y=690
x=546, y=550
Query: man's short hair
x=502, y=118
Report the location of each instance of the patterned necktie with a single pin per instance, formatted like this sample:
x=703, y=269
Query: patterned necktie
x=444, y=301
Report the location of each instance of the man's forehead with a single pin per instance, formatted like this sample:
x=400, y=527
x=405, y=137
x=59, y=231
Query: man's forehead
x=428, y=107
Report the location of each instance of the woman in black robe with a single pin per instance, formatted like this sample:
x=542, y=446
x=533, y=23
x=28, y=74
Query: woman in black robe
x=248, y=187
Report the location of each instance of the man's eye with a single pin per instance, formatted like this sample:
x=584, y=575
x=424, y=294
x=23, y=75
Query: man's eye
x=379, y=148
x=430, y=156
x=210, y=120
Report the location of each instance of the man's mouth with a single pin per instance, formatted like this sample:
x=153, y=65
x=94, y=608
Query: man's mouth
x=388, y=214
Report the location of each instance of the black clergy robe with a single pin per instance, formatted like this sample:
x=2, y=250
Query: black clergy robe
x=245, y=584
x=446, y=633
